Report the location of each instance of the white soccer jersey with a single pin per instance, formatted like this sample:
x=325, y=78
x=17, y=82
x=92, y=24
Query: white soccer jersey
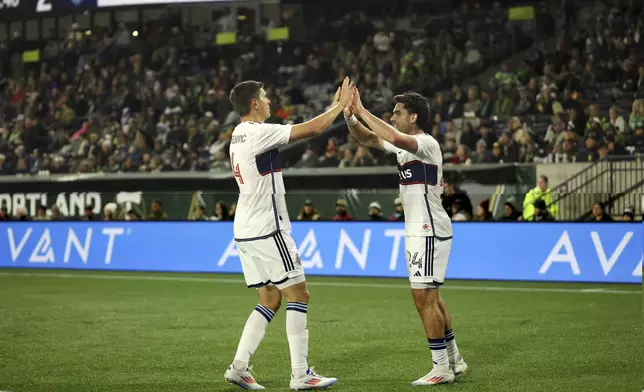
x=261, y=207
x=421, y=186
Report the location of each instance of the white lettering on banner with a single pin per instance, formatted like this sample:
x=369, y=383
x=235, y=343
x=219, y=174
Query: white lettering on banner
x=556, y=257
x=71, y=204
x=309, y=252
x=15, y=251
x=360, y=256
x=43, y=6
x=607, y=264
x=231, y=251
x=129, y=198
x=395, y=249
x=82, y=250
x=638, y=269
x=43, y=252
x=111, y=233
x=33, y=202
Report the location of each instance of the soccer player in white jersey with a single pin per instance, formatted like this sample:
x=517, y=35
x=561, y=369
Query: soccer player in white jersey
x=428, y=229
x=268, y=254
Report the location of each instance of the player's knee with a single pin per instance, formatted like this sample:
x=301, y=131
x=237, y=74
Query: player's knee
x=297, y=293
x=424, y=298
x=303, y=296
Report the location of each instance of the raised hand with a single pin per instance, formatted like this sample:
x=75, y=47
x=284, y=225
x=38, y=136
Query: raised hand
x=345, y=92
x=352, y=94
x=356, y=104
x=336, y=98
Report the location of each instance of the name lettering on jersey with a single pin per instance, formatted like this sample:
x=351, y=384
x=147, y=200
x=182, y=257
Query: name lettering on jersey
x=417, y=172
x=269, y=162
x=238, y=139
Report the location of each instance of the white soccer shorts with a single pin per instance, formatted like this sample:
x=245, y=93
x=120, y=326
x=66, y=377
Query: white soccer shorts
x=427, y=259
x=271, y=261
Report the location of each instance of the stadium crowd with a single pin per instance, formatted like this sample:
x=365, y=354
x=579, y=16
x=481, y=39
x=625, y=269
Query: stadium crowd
x=111, y=102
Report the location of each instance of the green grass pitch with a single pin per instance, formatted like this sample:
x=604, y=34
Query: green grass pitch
x=145, y=332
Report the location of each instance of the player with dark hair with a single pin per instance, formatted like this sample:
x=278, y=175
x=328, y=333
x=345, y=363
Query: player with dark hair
x=268, y=254
x=428, y=229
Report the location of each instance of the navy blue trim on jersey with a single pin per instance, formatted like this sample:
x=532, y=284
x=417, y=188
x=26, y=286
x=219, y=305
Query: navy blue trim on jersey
x=261, y=237
x=429, y=211
x=270, y=162
x=417, y=172
x=443, y=238
x=262, y=284
x=258, y=285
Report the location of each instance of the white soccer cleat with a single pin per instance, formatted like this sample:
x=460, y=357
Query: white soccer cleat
x=312, y=381
x=459, y=367
x=242, y=378
x=435, y=377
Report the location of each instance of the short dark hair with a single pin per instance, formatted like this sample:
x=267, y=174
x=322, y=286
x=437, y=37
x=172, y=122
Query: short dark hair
x=544, y=178
x=415, y=103
x=242, y=94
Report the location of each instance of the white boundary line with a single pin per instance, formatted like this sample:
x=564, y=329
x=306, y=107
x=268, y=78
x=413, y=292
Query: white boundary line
x=405, y=285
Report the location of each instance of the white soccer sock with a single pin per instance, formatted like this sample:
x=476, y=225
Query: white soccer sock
x=452, y=348
x=298, y=337
x=252, y=336
x=439, y=352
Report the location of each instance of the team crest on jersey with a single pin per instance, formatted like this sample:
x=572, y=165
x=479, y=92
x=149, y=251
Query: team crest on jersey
x=425, y=226
x=298, y=260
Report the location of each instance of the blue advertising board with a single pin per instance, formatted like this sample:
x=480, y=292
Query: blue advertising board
x=583, y=252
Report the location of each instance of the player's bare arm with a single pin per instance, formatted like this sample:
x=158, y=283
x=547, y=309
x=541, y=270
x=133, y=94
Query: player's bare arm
x=362, y=134
x=382, y=129
x=318, y=124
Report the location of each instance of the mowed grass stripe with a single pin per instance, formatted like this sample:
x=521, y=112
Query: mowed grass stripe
x=402, y=285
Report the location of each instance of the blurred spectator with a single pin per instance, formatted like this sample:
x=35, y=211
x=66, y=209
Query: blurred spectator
x=231, y=211
x=341, y=213
x=308, y=212
x=221, y=212
x=483, y=213
x=200, y=214
x=41, y=213
x=510, y=213
x=4, y=214
x=55, y=214
x=599, y=215
x=375, y=212
x=628, y=215
x=459, y=212
x=156, y=214
x=540, y=192
x=132, y=216
x=399, y=212
x=88, y=213
x=451, y=194
x=541, y=213
x=109, y=212
x=21, y=215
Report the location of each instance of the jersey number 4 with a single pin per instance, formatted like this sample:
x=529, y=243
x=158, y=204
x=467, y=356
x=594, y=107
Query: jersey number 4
x=236, y=171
